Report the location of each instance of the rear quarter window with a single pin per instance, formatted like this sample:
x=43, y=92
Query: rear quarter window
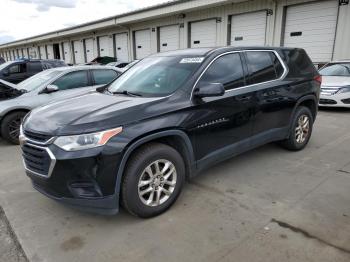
x=263, y=66
x=298, y=62
x=102, y=77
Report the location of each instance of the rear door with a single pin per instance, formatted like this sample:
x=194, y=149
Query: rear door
x=274, y=98
x=224, y=123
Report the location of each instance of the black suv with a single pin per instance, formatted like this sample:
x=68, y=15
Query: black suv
x=136, y=140
x=17, y=71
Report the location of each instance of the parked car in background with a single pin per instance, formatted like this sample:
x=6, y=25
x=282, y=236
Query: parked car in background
x=335, y=89
x=104, y=60
x=123, y=66
x=2, y=60
x=59, y=83
x=119, y=64
x=19, y=70
x=129, y=65
x=164, y=120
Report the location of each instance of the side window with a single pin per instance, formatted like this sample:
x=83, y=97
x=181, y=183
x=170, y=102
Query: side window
x=102, y=77
x=263, y=66
x=17, y=69
x=35, y=67
x=72, y=80
x=226, y=70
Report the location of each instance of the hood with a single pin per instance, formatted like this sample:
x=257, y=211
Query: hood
x=89, y=113
x=335, y=81
x=8, y=90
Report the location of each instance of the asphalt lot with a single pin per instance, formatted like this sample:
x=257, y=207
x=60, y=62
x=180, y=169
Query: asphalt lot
x=266, y=205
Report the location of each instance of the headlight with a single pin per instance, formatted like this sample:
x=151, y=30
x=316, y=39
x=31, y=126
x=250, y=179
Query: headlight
x=86, y=141
x=345, y=89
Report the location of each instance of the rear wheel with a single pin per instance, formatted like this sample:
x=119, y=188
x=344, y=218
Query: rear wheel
x=300, y=133
x=11, y=125
x=153, y=180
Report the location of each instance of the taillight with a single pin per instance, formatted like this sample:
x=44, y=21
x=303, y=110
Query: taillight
x=318, y=79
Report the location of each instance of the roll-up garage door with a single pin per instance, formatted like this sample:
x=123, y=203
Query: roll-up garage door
x=106, y=46
x=142, y=43
x=248, y=29
x=79, y=52
x=312, y=27
x=68, y=58
x=203, y=33
x=169, y=38
x=25, y=52
x=42, y=52
x=49, y=49
x=32, y=52
x=89, y=49
x=121, y=45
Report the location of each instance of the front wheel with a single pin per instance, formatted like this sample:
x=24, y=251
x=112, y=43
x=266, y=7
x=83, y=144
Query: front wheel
x=10, y=126
x=300, y=133
x=153, y=180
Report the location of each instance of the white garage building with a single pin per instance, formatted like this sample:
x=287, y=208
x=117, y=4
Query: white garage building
x=321, y=27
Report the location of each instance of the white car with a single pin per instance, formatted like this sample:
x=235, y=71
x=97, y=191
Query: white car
x=335, y=88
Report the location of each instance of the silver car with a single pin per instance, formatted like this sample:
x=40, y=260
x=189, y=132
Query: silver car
x=43, y=88
x=335, y=89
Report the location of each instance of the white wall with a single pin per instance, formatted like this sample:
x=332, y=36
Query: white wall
x=274, y=29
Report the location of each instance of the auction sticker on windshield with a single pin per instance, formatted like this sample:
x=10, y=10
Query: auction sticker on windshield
x=192, y=60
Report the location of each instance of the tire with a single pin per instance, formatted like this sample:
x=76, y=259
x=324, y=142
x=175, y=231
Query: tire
x=151, y=155
x=10, y=126
x=299, y=138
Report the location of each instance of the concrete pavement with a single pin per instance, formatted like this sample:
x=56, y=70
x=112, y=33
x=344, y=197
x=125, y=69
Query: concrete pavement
x=266, y=205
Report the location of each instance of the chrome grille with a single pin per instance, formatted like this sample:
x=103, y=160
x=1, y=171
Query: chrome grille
x=37, y=160
x=37, y=137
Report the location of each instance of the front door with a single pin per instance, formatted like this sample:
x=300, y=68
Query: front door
x=224, y=124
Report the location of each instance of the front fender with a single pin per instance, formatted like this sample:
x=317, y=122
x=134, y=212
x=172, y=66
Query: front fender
x=151, y=137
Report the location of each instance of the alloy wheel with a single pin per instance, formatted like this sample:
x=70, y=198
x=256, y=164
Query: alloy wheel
x=14, y=128
x=157, y=183
x=302, y=130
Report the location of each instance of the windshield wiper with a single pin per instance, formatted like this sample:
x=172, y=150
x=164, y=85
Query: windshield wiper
x=125, y=92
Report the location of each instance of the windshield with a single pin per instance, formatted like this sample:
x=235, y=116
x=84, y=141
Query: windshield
x=154, y=76
x=336, y=70
x=38, y=80
x=4, y=65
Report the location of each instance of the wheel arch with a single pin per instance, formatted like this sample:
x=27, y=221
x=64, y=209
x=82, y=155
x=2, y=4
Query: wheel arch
x=177, y=139
x=310, y=102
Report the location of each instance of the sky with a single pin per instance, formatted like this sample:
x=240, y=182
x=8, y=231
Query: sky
x=25, y=18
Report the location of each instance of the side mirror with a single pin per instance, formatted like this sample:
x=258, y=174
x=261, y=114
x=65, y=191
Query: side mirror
x=6, y=72
x=209, y=90
x=51, y=89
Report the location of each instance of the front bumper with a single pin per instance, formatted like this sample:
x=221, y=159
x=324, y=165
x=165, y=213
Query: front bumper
x=83, y=179
x=336, y=100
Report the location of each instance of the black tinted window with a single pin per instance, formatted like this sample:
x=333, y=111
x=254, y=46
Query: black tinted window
x=102, y=77
x=261, y=66
x=226, y=70
x=72, y=80
x=34, y=67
